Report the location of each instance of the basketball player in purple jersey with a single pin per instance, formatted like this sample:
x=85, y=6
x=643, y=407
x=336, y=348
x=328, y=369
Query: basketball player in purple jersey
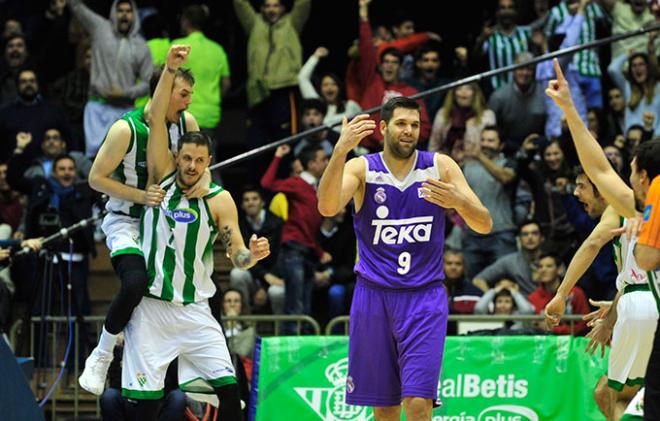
x=399, y=312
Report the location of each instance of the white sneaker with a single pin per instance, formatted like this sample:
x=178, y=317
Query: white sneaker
x=96, y=369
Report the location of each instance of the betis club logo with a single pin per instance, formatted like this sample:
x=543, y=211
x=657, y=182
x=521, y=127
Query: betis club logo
x=328, y=402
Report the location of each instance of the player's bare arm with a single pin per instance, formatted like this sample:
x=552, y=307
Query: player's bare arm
x=343, y=180
x=225, y=216
x=591, y=155
x=160, y=161
x=107, y=160
x=453, y=192
x=648, y=258
x=581, y=261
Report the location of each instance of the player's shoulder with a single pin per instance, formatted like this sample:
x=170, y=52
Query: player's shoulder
x=654, y=190
x=357, y=165
x=120, y=132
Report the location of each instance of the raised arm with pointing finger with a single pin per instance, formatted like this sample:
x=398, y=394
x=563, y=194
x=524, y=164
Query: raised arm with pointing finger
x=591, y=155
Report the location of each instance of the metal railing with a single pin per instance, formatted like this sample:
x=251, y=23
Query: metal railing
x=571, y=319
x=57, y=332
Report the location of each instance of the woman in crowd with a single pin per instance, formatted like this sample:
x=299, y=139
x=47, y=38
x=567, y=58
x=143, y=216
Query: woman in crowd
x=505, y=299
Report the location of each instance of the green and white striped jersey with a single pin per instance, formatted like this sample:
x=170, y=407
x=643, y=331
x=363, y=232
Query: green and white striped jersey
x=132, y=170
x=502, y=49
x=177, y=241
x=624, y=252
x=586, y=61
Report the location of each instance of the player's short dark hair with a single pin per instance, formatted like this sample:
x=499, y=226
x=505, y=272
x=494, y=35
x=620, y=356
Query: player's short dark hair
x=185, y=74
x=308, y=153
x=313, y=104
x=392, y=52
x=648, y=158
x=62, y=157
x=196, y=138
x=578, y=170
x=195, y=15
x=387, y=111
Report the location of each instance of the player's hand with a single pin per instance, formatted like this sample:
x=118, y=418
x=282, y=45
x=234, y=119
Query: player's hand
x=321, y=52
x=558, y=89
x=554, y=310
x=153, y=196
x=443, y=193
x=177, y=56
x=600, y=335
x=632, y=228
x=353, y=132
x=201, y=188
x=600, y=313
x=282, y=150
x=23, y=139
x=259, y=247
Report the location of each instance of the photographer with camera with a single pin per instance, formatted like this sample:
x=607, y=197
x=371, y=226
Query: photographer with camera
x=56, y=202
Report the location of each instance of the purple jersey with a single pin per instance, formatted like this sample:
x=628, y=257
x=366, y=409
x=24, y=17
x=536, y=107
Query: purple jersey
x=400, y=235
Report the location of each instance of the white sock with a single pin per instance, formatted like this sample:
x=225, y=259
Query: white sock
x=107, y=341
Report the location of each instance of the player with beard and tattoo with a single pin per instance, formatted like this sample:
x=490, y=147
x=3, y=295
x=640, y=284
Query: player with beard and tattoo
x=120, y=171
x=400, y=305
x=645, y=167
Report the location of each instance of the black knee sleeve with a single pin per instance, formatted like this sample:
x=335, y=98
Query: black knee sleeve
x=132, y=273
x=147, y=410
x=230, y=402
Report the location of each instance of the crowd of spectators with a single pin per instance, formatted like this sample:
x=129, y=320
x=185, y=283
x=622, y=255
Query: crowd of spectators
x=509, y=138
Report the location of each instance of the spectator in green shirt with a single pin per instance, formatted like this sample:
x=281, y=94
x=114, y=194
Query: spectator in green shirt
x=208, y=62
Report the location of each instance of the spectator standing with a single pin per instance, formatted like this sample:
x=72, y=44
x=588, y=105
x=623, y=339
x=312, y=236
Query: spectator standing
x=262, y=281
x=639, y=85
x=274, y=56
x=313, y=113
x=614, y=123
x=586, y=62
x=121, y=67
x=629, y=16
x=519, y=106
x=518, y=266
x=549, y=279
x=29, y=113
x=52, y=146
x=383, y=80
x=501, y=43
x=208, y=63
x=301, y=249
x=461, y=119
x=330, y=90
x=15, y=58
x=505, y=299
x=491, y=176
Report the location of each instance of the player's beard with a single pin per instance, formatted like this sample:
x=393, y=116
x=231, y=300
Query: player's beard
x=397, y=150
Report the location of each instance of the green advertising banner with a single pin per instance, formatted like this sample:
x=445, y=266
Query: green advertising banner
x=488, y=378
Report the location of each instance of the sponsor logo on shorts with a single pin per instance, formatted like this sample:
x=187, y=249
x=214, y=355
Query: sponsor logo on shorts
x=141, y=378
x=647, y=212
x=183, y=215
x=328, y=402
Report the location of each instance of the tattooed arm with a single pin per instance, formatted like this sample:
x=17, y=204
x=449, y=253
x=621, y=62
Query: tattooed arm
x=226, y=218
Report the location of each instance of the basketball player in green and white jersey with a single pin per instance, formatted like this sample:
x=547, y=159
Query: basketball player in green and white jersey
x=174, y=319
x=120, y=171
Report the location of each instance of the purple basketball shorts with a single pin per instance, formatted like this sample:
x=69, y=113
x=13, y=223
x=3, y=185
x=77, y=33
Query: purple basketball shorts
x=395, y=345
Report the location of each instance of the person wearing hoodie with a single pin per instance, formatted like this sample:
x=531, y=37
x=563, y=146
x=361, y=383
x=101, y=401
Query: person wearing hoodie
x=121, y=67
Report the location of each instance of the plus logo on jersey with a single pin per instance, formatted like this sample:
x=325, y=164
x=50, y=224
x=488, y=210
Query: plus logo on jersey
x=399, y=231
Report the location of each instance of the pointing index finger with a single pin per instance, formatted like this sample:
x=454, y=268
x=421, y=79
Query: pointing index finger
x=558, y=71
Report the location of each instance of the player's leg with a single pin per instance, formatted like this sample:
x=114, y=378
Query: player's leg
x=373, y=371
x=620, y=400
x=387, y=413
x=417, y=409
x=122, y=234
x=204, y=355
x=420, y=319
x=602, y=397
